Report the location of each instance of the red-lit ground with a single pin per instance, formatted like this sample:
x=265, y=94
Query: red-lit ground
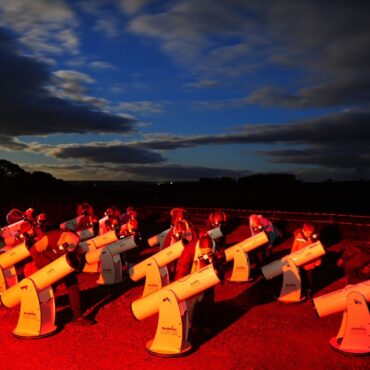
x=251, y=330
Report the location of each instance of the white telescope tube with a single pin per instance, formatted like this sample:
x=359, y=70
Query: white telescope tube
x=70, y=224
x=247, y=245
x=13, y=256
x=42, y=279
x=335, y=302
x=98, y=242
x=120, y=246
x=158, y=239
x=299, y=258
x=11, y=229
x=184, y=288
x=163, y=257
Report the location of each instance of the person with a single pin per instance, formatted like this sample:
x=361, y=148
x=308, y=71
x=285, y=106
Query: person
x=355, y=260
x=196, y=255
x=112, y=221
x=182, y=230
x=48, y=247
x=302, y=238
x=13, y=216
x=257, y=224
x=28, y=215
x=130, y=214
x=218, y=219
x=178, y=214
x=86, y=218
x=40, y=223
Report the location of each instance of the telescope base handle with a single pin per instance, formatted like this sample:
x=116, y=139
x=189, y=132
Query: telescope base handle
x=37, y=312
x=156, y=277
x=8, y=278
x=241, y=268
x=110, y=268
x=353, y=337
x=91, y=268
x=291, y=289
x=171, y=338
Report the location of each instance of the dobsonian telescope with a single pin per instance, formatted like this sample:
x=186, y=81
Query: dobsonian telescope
x=288, y=266
x=354, y=333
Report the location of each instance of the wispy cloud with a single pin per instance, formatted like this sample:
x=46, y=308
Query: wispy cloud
x=142, y=107
x=44, y=26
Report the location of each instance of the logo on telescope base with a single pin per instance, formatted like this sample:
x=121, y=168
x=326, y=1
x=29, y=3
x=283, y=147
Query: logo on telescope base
x=169, y=330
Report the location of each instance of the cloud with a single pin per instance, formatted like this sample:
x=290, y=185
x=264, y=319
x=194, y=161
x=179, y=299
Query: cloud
x=103, y=152
x=109, y=26
x=45, y=26
x=142, y=107
x=346, y=128
x=133, y=6
x=72, y=85
x=325, y=46
x=98, y=64
x=203, y=84
x=27, y=108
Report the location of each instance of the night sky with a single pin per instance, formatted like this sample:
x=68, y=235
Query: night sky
x=183, y=89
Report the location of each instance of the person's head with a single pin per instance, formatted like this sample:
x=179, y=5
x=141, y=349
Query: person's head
x=132, y=226
x=178, y=214
x=180, y=229
x=84, y=209
x=26, y=230
x=112, y=211
x=133, y=214
x=113, y=223
x=13, y=216
x=28, y=214
x=308, y=229
x=255, y=223
x=217, y=218
x=40, y=220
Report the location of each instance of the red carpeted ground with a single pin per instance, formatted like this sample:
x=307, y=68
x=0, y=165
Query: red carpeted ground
x=251, y=330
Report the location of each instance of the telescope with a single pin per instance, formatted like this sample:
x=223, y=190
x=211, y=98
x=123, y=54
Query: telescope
x=8, y=259
x=239, y=254
x=154, y=268
x=158, y=239
x=354, y=333
x=288, y=266
x=34, y=293
x=72, y=224
x=171, y=338
x=11, y=229
x=37, y=312
x=108, y=257
x=92, y=244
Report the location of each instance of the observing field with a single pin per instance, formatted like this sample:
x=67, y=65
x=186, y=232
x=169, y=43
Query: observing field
x=250, y=329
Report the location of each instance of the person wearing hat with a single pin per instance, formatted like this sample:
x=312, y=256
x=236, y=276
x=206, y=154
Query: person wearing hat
x=46, y=248
x=302, y=238
x=218, y=219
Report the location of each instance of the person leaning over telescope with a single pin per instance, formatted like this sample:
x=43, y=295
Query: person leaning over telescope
x=45, y=249
x=355, y=260
x=302, y=238
x=196, y=255
x=257, y=224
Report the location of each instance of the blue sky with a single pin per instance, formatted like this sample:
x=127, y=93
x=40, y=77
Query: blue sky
x=178, y=90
